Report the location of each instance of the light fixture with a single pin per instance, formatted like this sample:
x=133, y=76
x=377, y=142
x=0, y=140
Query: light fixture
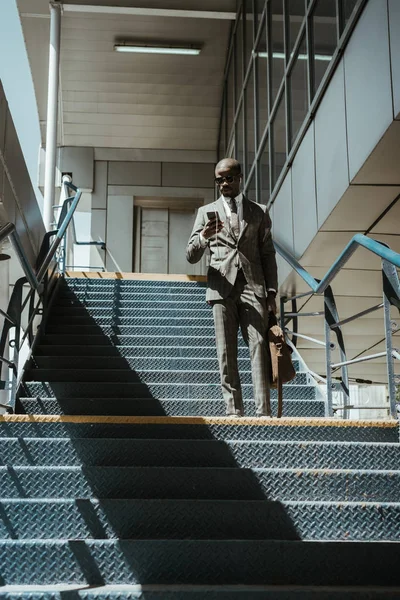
x=188, y=50
x=324, y=57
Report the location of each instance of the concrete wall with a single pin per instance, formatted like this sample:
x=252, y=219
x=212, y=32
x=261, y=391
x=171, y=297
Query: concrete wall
x=120, y=176
x=17, y=197
x=338, y=152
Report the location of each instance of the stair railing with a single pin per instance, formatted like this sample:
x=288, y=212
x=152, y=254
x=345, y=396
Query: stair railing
x=332, y=323
x=41, y=280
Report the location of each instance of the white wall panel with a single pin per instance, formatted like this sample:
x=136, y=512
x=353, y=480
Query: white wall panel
x=99, y=196
x=282, y=215
x=368, y=84
x=134, y=173
x=79, y=162
x=394, y=25
x=187, y=175
x=304, y=195
x=119, y=233
x=155, y=155
x=98, y=233
x=331, y=164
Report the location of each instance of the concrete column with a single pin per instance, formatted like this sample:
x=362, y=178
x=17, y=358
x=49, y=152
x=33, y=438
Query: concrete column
x=52, y=114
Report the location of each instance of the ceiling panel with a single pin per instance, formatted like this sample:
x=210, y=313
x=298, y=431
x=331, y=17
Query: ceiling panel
x=359, y=207
x=133, y=101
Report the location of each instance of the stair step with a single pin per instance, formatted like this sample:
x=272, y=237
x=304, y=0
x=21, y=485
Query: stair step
x=135, y=330
x=283, y=485
x=218, y=562
x=139, y=364
x=150, y=284
x=188, y=391
x=107, y=349
x=131, y=340
x=127, y=319
x=152, y=407
x=107, y=311
x=197, y=592
x=143, y=376
x=203, y=428
x=159, y=305
x=134, y=294
x=197, y=520
x=199, y=453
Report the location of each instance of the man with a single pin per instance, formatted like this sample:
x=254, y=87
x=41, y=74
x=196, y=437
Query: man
x=241, y=282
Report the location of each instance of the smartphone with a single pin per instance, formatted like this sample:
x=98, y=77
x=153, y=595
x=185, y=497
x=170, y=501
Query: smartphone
x=213, y=215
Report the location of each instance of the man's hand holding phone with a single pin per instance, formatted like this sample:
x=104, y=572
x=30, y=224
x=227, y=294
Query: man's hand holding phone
x=213, y=226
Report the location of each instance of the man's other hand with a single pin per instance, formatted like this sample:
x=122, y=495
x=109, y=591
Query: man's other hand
x=212, y=228
x=271, y=303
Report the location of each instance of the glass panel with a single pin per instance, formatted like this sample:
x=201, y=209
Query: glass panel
x=250, y=124
x=348, y=8
x=222, y=137
x=262, y=83
x=296, y=14
x=230, y=89
x=298, y=90
x=263, y=168
x=277, y=38
x=279, y=140
x=251, y=191
x=249, y=32
x=324, y=24
x=239, y=57
x=239, y=149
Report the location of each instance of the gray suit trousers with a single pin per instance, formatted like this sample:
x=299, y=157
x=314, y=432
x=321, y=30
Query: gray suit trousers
x=242, y=308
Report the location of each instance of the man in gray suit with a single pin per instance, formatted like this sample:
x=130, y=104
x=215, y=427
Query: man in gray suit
x=241, y=282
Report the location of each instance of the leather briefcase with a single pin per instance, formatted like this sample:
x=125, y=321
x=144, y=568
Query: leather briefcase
x=282, y=369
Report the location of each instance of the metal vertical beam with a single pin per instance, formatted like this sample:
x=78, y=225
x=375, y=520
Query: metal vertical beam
x=391, y=293
x=52, y=113
x=328, y=357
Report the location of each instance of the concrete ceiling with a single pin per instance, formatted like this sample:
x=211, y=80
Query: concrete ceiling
x=115, y=100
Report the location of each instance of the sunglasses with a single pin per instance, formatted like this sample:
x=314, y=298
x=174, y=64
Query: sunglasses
x=227, y=179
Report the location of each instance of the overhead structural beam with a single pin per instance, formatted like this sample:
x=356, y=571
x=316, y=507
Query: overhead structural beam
x=148, y=12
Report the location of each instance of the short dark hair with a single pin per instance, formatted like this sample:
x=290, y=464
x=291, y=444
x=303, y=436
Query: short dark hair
x=232, y=164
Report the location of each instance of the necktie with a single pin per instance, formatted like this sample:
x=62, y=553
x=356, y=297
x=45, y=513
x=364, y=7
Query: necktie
x=234, y=217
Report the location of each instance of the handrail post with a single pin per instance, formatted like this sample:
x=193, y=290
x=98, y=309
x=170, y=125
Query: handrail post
x=328, y=360
x=390, y=281
x=52, y=114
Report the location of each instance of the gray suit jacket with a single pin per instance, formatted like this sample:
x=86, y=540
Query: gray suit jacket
x=253, y=250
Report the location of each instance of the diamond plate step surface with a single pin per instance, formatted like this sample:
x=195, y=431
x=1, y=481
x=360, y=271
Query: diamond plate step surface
x=197, y=520
x=154, y=428
x=107, y=349
x=185, y=592
x=199, y=453
x=312, y=485
x=107, y=389
x=152, y=407
x=142, y=376
x=197, y=562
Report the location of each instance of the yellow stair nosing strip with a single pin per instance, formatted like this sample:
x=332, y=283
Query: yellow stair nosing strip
x=244, y=421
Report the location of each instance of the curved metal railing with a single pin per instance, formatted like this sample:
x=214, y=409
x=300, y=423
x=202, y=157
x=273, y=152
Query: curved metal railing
x=332, y=324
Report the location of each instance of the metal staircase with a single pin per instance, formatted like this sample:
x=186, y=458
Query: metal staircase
x=121, y=478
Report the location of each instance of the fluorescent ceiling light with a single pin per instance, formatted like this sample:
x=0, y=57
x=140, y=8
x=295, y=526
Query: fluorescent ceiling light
x=324, y=57
x=156, y=49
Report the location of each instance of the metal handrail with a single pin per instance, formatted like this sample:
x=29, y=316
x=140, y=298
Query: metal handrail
x=41, y=282
x=391, y=296
x=319, y=286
